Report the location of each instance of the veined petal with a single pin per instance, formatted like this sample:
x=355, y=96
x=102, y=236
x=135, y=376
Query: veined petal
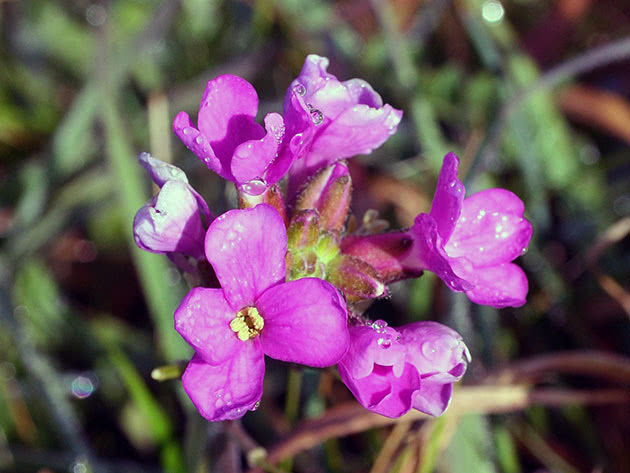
x=491, y=229
x=383, y=392
x=503, y=285
x=448, y=198
x=247, y=249
x=203, y=320
x=305, y=322
x=226, y=115
x=226, y=391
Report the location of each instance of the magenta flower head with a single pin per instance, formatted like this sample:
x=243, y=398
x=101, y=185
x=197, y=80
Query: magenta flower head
x=390, y=371
x=471, y=243
x=254, y=313
x=172, y=222
x=351, y=115
x=230, y=142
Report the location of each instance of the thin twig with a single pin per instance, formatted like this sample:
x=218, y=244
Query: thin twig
x=350, y=418
x=610, y=366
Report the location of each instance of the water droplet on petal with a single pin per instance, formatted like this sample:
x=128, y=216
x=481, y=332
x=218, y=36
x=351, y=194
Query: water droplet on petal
x=255, y=406
x=254, y=187
x=379, y=326
x=524, y=250
x=299, y=89
x=317, y=116
x=187, y=131
x=199, y=140
x=428, y=350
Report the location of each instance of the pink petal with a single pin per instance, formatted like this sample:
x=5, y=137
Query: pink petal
x=196, y=142
x=298, y=136
x=203, y=320
x=305, y=322
x=383, y=392
x=448, y=198
x=433, y=397
x=321, y=90
x=504, y=285
x=226, y=391
x=434, y=349
x=251, y=158
x=440, y=356
x=491, y=229
x=171, y=222
x=161, y=171
x=357, y=130
x=246, y=249
x=362, y=93
x=372, y=345
x=226, y=114
x=427, y=254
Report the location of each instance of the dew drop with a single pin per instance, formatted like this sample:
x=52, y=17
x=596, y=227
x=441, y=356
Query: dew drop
x=428, y=350
x=255, y=406
x=384, y=343
x=317, y=116
x=187, y=131
x=254, y=187
x=299, y=89
x=524, y=251
x=199, y=140
x=379, y=326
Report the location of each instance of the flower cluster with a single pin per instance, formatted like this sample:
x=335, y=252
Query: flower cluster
x=289, y=273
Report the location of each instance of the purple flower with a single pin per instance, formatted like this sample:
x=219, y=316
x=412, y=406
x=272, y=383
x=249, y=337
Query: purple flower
x=390, y=371
x=470, y=243
x=255, y=313
x=230, y=142
x=172, y=221
x=351, y=115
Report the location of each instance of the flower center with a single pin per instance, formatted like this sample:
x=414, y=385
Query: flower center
x=248, y=323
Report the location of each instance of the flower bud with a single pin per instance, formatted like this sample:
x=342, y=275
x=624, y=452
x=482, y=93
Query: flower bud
x=329, y=192
x=357, y=279
x=304, y=230
x=385, y=252
x=171, y=222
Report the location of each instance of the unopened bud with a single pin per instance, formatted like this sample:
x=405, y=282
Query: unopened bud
x=304, y=230
x=385, y=252
x=357, y=279
x=329, y=192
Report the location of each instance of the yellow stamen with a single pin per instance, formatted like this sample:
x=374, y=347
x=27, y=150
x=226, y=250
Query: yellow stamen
x=247, y=324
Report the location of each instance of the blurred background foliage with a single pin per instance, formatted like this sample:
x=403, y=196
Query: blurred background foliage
x=534, y=96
